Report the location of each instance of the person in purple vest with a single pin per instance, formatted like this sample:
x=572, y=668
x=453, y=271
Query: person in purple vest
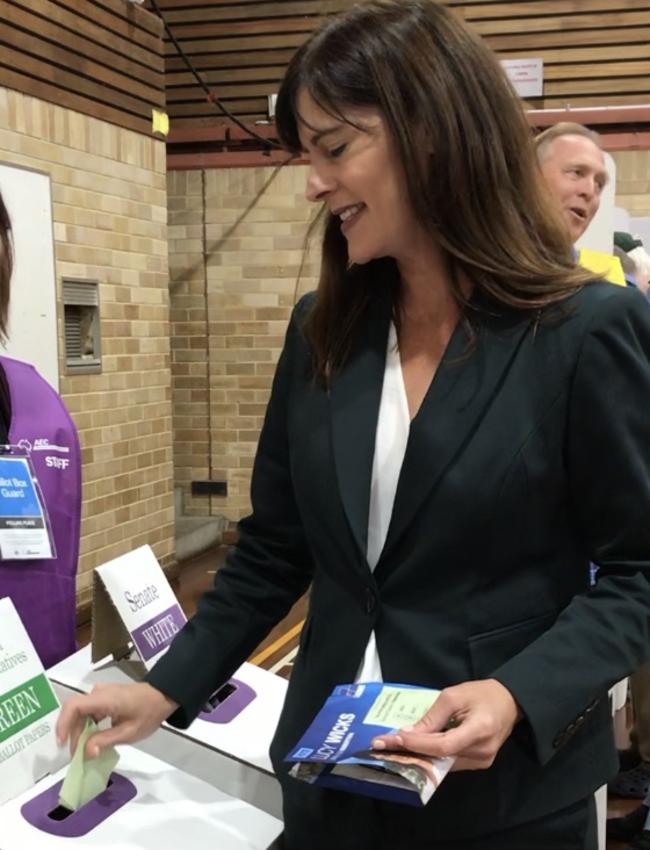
x=35, y=425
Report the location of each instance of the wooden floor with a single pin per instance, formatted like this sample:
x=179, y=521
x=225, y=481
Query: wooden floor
x=277, y=651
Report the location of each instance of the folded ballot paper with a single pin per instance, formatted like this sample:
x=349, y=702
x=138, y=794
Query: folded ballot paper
x=86, y=778
x=335, y=751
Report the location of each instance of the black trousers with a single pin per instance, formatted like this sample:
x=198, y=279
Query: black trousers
x=351, y=822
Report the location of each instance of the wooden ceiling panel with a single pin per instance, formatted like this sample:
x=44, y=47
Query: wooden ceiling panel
x=541, y=26
x=187, y=94
x=35, y=48
x=591, y=71
x=603, y=56
x=229, y=29
x=222, y=76
x=595, y=51
x=106, y=57
x=23, y=20
x=228, y=61
x=560, y=8
x=100, y=15
x=100, y=57
x=246, y=108
x=577, y=38
x=241, y=12
x=134, y=15
x=83, y=28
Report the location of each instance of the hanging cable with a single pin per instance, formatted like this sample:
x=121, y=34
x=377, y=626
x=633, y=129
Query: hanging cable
x=211, y=96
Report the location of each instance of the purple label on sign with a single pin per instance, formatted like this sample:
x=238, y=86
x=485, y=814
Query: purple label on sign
x=153, y=636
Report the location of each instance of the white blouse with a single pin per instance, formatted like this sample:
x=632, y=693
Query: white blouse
x=393, y=425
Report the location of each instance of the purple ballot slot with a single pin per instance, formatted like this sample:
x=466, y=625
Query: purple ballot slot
x=229, y=701
x=45, y=813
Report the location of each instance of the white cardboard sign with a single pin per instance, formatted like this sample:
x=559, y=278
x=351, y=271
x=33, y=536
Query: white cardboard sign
x=526, y=76
x=28, y=710
x=133, y=602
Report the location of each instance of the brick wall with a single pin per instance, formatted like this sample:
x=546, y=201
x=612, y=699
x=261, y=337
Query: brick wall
x=110, y=213
x=633, y=181
x=189, y=338
x=235, y=245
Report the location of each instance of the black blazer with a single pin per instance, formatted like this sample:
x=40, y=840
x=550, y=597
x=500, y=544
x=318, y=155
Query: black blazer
x=529, y=458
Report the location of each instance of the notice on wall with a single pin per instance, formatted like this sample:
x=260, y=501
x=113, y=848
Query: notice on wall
x=134, y=604
x=526, y=76
x=28, y=710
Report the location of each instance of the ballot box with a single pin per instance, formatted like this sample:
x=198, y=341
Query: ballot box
x=148, y=803
x=135, y=616
x=227, y=747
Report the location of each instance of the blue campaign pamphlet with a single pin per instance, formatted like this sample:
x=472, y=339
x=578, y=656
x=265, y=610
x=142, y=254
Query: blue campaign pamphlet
x=335, y=751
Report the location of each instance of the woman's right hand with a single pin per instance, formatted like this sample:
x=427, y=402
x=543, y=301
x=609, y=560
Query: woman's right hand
x=135, y=710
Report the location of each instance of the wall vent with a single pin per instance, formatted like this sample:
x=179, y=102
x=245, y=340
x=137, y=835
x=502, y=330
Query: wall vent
x=82, y=326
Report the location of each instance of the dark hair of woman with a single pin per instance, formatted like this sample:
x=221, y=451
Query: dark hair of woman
x=465, y=146
x=6, y=267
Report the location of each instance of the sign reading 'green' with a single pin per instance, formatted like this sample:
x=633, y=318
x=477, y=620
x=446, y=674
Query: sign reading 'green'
x=24, y=705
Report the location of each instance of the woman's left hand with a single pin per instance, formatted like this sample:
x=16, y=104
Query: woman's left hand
x=470, y=721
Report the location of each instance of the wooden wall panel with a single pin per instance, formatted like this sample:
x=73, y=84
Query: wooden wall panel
x=100, y=57
x=596, y=52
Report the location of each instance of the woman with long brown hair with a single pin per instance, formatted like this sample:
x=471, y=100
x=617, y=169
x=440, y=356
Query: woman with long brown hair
x=456, y=430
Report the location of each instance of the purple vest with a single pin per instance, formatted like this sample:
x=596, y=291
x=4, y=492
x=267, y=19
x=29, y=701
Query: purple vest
x=43, y=591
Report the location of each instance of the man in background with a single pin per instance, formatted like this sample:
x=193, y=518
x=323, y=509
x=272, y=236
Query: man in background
x=572, y=163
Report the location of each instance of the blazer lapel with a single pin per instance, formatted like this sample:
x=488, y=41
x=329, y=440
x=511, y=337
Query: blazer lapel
x=461, y=392
x=355, y=396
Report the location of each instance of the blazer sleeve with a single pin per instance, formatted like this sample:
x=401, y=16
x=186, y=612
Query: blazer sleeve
x=268, y=569
x=604, y=634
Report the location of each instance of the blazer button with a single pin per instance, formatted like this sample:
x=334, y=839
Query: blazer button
x=560, y=740
x=371, y=601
